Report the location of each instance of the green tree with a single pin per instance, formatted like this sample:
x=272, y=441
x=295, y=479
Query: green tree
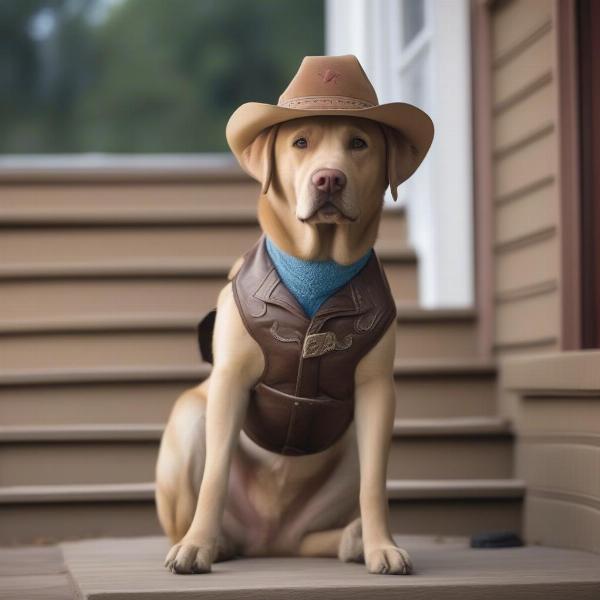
x=145, y=75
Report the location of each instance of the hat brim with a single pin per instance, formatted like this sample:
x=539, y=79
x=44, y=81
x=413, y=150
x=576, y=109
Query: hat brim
x=251, y=118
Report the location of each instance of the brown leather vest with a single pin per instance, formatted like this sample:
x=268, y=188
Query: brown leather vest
x=304, y=400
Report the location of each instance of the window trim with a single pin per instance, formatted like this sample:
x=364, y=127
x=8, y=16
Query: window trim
x=370, y=30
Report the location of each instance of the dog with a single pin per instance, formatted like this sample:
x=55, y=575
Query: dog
x=218, y=493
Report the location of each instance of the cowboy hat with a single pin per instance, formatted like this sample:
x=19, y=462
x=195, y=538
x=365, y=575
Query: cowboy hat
x=333, y=85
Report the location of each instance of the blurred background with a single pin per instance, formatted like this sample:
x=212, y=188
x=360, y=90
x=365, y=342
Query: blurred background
x=149, y=77
x=122, y=211
x=141, y=76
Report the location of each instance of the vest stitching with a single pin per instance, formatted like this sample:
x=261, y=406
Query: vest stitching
x=259, y=299
x=278, y=336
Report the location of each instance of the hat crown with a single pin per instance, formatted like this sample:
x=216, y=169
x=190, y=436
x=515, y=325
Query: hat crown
x=329, y=82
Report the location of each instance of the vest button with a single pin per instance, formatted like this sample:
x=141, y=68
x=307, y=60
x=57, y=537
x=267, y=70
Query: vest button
x=296, y=403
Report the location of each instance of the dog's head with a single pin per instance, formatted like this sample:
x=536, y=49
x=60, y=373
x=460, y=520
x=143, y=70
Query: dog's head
x=322, y=182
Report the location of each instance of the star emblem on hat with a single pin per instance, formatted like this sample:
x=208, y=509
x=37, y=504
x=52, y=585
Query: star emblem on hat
x=329, y=75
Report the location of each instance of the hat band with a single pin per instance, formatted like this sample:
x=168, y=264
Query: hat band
x=332, y=102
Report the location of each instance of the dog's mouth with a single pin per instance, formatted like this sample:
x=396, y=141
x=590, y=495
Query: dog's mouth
x=326, y=211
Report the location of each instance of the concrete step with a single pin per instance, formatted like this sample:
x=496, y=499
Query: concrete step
x=86, y=454
x=170, y=340
x=127, y=395
x=75, y=511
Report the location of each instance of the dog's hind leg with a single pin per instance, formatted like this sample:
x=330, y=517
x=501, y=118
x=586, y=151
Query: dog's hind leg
x=345, y=543
x=321, y=543
x=351, y=543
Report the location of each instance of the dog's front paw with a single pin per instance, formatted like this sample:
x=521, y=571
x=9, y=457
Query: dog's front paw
x=188, y=557
x=388, y=560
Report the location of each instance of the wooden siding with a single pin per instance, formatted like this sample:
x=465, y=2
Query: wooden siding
x=557, y=421
x=526, y=248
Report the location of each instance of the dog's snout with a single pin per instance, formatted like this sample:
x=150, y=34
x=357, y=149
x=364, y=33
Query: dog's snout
x=329, y=180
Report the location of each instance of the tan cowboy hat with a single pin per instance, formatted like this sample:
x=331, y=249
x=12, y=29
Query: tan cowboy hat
x=332, y=85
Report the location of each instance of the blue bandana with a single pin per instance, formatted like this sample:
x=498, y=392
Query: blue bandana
x=312, y=281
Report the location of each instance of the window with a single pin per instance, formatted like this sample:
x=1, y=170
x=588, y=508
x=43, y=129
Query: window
x=418, y=51
x=413, y=20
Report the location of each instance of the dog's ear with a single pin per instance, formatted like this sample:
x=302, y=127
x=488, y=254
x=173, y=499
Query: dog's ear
x=258, y=159
x=400, y=157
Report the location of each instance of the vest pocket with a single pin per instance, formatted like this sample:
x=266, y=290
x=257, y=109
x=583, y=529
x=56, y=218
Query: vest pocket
x=294, y=425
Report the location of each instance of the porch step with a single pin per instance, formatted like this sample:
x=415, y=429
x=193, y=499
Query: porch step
x=101, y=235
x=75, y=493
x=150, y=286
x=435, y=333
x=451, y=448
x=34, y=573
x=122, y=194
x=170, y=339
x=445, y=568
x=398, y=490
x=58, y=512
x=101, y=454
x=128, y=395
x=469, y=489
x=45, y=514
x=445, y=387
x=162, y=263
x=145, y=184
x=455, y=507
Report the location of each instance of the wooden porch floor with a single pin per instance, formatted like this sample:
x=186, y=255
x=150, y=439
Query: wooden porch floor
x=131, y=569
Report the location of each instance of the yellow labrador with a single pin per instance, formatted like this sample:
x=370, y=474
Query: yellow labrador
x=218, y=493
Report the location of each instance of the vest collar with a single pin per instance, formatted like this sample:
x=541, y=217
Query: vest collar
x=346, y=301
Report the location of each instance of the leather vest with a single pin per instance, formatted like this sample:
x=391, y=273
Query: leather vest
x=304, y=400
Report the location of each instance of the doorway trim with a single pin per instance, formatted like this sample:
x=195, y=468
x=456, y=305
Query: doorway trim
x=568, y=169
x=588, y=28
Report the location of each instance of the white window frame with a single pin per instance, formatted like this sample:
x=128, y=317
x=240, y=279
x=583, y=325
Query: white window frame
x=439, y=197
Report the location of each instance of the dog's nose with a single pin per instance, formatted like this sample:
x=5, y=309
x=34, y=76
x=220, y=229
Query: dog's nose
x=329, y=180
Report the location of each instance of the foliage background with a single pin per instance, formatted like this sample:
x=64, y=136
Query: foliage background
x=143, y=75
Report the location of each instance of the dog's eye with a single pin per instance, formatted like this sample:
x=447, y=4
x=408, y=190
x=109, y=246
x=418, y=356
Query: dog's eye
x=358, y=143
x=300, y=143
